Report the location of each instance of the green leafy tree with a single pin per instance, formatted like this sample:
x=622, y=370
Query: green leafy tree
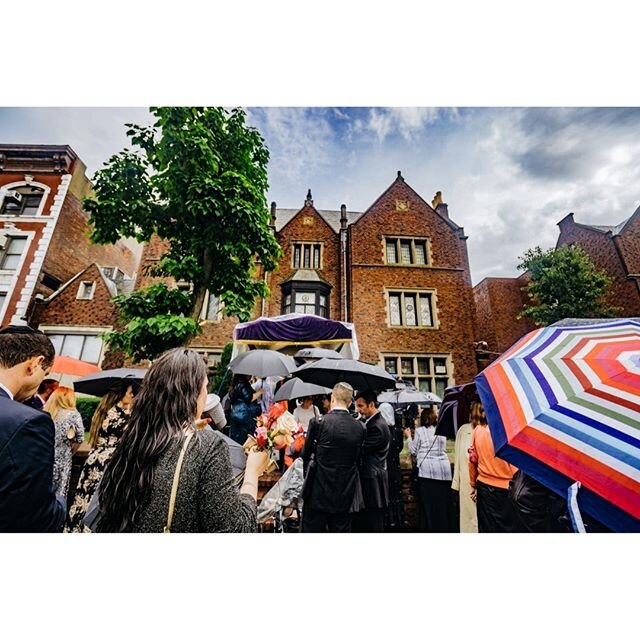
x=564, y=284
x=197, y=177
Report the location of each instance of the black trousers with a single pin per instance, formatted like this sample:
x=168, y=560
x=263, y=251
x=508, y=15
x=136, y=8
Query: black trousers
x=314, y=521
x=434, y=501
x=495, y=511
x=369, y=521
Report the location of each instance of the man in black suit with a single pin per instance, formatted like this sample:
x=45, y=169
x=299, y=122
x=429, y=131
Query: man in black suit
x=373, y=466
x=46, y=388
x=332, y=484
x=27, y=499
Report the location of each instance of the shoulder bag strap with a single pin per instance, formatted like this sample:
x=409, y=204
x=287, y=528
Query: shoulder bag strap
x=176, y=482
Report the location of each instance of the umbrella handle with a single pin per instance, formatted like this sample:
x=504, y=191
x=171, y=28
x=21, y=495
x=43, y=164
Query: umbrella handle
x=224, y=379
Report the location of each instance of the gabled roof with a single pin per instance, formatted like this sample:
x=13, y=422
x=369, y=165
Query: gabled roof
x=614, y=230
x=332, y=218
x=111, y=286
x=450, y=223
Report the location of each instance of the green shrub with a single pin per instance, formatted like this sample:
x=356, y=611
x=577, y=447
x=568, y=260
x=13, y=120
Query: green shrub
x=86, y=407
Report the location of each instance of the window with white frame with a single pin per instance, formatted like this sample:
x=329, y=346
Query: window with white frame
x=211, y=356
x=410, y=309
x=12, y=252
x=307, y=255
x=406, y=251
x=22, y=201
x=428, y=372
x=83, y=347
x=86, y=290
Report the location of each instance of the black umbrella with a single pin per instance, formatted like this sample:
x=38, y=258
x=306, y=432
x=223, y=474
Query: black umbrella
x=263, y=363
x=455, y=408
x=296, y=388
x=98, y=384
x=358, y=374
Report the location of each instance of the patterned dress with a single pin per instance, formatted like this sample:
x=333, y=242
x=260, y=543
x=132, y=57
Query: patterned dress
x=110, y=433
x=65, y=419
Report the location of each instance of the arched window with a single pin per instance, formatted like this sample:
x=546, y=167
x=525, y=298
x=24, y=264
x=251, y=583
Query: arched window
x=24, y=200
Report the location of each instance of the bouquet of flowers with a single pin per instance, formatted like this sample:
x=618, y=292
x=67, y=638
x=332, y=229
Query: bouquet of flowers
x=274, y=431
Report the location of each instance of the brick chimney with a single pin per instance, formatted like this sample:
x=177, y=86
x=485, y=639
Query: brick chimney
x=439, y=205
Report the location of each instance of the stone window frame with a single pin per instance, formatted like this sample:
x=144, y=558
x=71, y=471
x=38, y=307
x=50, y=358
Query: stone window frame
x=81, y=330
x=91, y=291
x=312, y=244
x=433, y=295
x=416, y=376
x=213, y=356
x=24, y=183
x=7, y=286
x=413, y=240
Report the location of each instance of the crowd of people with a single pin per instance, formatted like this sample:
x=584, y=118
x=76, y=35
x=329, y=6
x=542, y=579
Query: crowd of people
x=156, y=465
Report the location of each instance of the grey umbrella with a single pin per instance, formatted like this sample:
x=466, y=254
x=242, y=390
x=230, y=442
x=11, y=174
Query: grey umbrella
x=98, y=384
x=315, y=353
x=263, y=363
x=407, y=396
x=296, y=388
x=359, y=375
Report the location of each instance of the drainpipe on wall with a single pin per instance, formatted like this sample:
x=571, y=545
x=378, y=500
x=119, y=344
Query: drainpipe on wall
x=343, y=248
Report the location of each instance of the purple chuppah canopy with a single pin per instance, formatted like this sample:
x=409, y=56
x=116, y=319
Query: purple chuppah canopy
x=294, y=327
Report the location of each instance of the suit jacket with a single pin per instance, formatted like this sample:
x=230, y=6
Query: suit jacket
x=34, y=402
x=373, y=467
x=27, y=499
x=336, y=479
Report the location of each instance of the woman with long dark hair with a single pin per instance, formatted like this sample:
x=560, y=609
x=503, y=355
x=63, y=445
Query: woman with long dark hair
x=162, y=449
x=107, y=426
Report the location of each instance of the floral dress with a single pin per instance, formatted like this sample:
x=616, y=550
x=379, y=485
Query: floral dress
x=110, y=433
x=65, y=420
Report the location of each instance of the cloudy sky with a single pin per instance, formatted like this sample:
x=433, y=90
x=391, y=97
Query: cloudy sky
x=508, y=175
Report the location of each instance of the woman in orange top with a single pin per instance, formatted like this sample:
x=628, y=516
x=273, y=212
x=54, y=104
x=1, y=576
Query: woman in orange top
x=489, y=477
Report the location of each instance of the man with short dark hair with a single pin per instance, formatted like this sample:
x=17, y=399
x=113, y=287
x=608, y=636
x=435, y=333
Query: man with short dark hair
x=373, y=465
x=334, y=441
x=46, y=388
x=27, y=498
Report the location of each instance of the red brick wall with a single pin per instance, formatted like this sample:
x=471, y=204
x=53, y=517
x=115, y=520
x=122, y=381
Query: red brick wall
x=307, y=225
x=448, y=275
x=498, y=303
x=51, y=180
x=601, y=249
x=71, y=250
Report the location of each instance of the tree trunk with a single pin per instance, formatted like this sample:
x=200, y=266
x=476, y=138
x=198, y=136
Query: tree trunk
x=200, y=288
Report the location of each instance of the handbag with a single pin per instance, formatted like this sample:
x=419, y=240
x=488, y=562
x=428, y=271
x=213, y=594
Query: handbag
x=176, y=482
x=71, y=433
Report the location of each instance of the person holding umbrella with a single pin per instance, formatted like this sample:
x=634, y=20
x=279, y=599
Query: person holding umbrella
x=244, y=408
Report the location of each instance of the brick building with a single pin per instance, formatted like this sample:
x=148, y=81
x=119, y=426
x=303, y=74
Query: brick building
x=614, y=249
x=46, y=256
x=399, y=272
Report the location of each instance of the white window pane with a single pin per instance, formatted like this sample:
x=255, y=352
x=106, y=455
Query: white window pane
x=57, y=341
x=296, y=256
x=392, y=254
x=92, y=349
x=391, y=365
x=394, y=310
x=72, y=346
x=405, y=252
x=406, y=366
x=316, y=257
x=410, y=310
x=425, y=311
x=305, y=297
x=16, y=246
x=11, y=262
x=307, y=256
x=3, y=299
x=213, y=306
x=420, y=254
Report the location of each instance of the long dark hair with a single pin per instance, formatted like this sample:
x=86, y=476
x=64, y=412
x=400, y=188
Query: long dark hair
x=166, y=404
x=109, y=399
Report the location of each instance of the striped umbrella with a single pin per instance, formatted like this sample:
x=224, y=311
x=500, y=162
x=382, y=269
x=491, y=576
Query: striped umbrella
x=563, y=405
